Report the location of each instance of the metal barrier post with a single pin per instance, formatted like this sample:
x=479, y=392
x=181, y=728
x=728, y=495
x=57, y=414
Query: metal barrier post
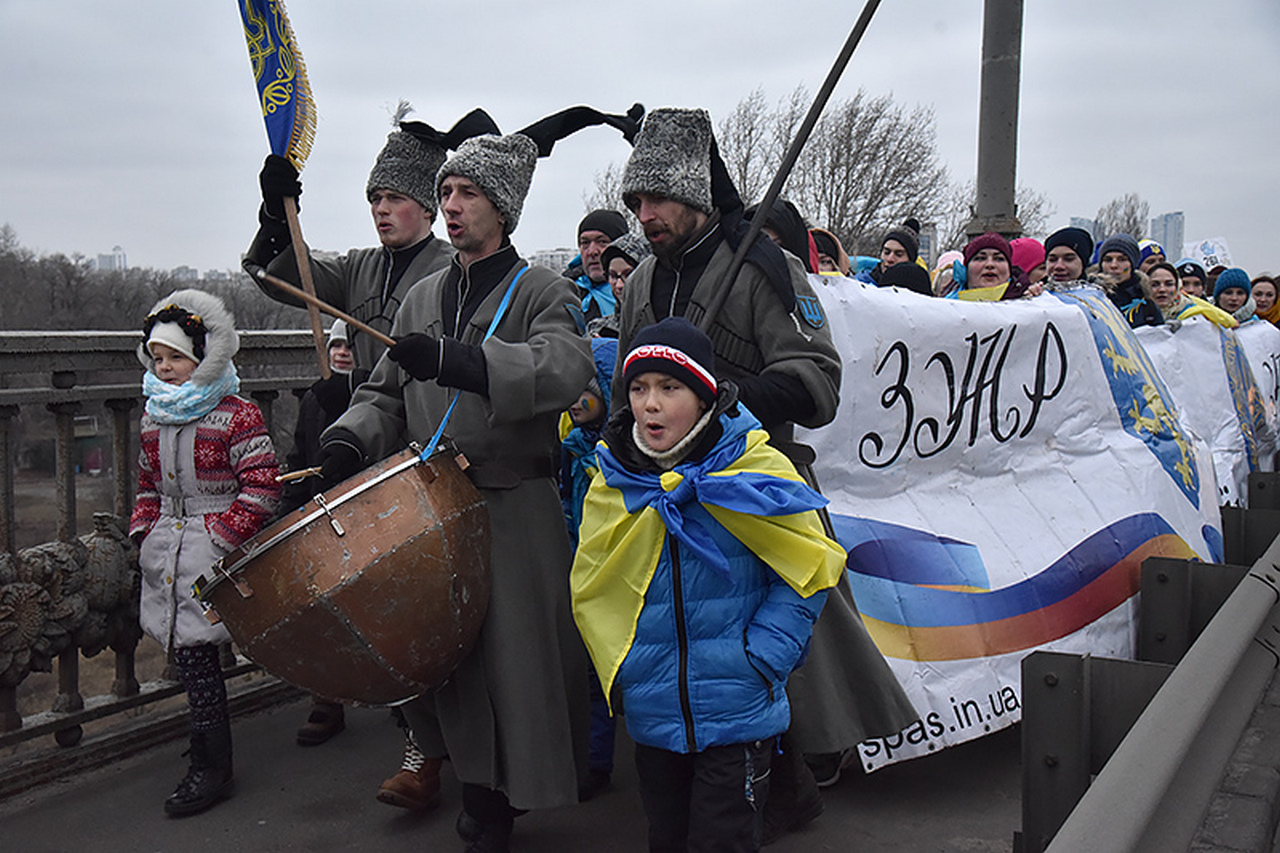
x=1055, y=743
x=1152, y=794
x=1179, y=598
x=1070, y=729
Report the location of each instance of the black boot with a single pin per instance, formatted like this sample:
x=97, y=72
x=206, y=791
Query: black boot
x=487, y=820
x=491, y=838
x=209, y=778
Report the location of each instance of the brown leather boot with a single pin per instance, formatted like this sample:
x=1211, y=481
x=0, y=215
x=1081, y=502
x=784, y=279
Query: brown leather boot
x=325, y=720
x=417, y=785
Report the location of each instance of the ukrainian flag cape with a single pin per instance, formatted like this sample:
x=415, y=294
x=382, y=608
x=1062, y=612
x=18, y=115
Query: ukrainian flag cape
x=749, y=488
x=1200, y=307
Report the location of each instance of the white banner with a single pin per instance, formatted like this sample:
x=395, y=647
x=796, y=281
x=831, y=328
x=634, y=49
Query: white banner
x=1207, y=370
x=998, y=473
x=1261, y=342
x=1210, y=253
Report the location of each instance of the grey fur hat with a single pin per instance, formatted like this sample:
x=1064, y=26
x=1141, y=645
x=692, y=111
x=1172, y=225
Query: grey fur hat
x=221, y=341
x=501, y=166
x=672, y=158
x=407, y=165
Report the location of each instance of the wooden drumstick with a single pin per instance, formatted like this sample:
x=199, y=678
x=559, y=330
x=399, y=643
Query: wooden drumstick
x=299, y=475
x=325, y=307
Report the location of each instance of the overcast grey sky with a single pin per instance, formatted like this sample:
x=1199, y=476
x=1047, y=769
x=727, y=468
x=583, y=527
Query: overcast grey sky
x=136, y=124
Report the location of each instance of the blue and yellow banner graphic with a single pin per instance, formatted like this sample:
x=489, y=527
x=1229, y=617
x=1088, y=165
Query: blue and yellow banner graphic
x=1145, y=405
x=281, y=77
x=905, y=583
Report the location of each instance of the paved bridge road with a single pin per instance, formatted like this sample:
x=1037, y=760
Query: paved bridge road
x=962, y=800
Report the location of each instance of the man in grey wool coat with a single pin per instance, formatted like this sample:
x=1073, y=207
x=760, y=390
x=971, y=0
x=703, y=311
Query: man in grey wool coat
x=513, y=716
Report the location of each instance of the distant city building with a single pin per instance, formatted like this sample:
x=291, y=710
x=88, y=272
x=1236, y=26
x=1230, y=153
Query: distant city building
x=186, y=274
x=555, y=259
x=1090, y=225
x=928, y=243
x=1166, y=230
x=114, y=262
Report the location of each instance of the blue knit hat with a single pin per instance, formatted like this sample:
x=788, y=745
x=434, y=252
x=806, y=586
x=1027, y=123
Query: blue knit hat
x=1122, y=243
x=1147, y=248
x=1234, y=277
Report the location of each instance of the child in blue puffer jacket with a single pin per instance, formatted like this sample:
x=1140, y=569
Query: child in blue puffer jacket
x=701, y=568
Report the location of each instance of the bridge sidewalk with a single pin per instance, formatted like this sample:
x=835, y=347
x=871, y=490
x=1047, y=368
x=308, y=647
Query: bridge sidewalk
x=962, y=800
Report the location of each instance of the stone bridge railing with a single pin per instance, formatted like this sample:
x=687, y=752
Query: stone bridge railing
x=78, y=596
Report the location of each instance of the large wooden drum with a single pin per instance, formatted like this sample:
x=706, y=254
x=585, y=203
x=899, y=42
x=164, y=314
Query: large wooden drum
x=372, y=592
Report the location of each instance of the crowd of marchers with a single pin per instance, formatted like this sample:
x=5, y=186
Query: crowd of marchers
x=660, y=553
x=1138, y=275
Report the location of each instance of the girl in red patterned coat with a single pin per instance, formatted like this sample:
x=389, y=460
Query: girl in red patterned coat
x=206, y=483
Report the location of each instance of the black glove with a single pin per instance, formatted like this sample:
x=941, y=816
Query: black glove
x=341, y=455
x=333, y=394
x=278, y=179
x=418, y=354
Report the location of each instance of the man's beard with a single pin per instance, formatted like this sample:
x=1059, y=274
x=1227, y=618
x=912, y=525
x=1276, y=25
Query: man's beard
x=672, y=248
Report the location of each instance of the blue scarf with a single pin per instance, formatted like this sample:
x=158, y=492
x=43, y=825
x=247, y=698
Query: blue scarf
x=601, y=293
x=181, y=404
x=728, y=478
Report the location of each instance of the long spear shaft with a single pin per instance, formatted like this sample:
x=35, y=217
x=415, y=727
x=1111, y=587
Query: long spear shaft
x=788, y=163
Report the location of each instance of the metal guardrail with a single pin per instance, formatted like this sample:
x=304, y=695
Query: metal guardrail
x=1158, y=763
x=1152, y=794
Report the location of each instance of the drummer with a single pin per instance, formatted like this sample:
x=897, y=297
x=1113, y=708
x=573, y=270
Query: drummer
x=369, y=284
x=512, y=716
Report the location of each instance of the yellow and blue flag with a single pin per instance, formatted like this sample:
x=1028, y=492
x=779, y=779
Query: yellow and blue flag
x=281, y=77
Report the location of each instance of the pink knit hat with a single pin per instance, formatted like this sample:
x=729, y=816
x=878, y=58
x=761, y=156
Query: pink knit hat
x=1028, y=253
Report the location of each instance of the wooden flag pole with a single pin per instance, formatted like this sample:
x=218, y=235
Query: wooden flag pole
x=304, y=273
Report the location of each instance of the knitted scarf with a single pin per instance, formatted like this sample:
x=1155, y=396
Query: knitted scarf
x=1272, y=314
x=598, y=292
x=180, y=404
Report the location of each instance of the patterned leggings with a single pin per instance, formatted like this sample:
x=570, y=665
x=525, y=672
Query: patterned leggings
x=200, y=671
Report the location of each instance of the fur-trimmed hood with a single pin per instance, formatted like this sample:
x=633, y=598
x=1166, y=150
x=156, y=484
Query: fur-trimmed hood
x=1110, y=284
x=222, y=341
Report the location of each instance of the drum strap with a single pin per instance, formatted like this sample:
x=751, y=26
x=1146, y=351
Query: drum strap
x=497, y=318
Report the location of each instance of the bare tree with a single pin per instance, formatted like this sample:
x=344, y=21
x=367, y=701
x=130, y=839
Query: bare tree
x=607, y=195
x=60, y=292
x=1033, y=208
x=868, y=164
x=754, y=139
x=1127, y=214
